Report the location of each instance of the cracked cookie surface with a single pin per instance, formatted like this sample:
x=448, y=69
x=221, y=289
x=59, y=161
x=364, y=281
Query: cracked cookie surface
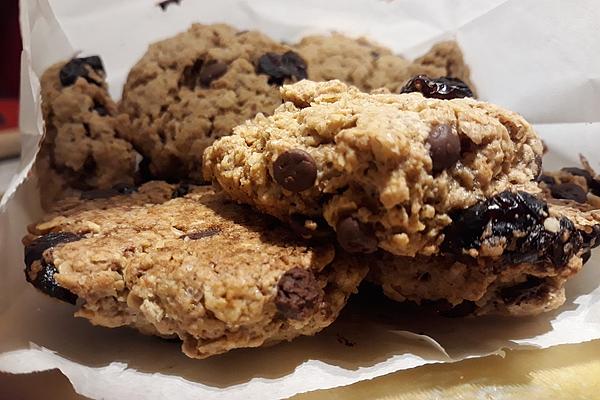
x=188, y=263
x=383, y=170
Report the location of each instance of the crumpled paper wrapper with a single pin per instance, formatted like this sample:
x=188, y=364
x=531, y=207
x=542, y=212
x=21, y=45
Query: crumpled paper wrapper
x=539, y=59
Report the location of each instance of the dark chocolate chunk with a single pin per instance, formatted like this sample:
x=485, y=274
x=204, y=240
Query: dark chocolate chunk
x=298, y=294
x=533, y=287
x=547, y=179
x=181, y=190
x=44, y=281
x=516, y=221
x=35, y=249
x=444, y=147
x=202, y=234
x=166, y=3
x=578, y=172
x=280, y=67
x=568, y=191
x=295, y=170
x=445, y=88
x=78, y=67
x=210, y=71
x=355, y=237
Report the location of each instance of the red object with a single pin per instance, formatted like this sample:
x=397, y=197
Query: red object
x=10, y=49
x=9, y=113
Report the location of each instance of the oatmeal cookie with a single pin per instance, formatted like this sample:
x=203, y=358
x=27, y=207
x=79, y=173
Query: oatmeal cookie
x=368, y=66
x=83, y=146
x=193, y=88
x=382, y=170
x=182, y=261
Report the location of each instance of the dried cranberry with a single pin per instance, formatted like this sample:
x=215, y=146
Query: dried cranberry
x=35, y=249
x=280, y=67
x=514, y=220
x=445, y=88
x=44, y=281
x=78, y=67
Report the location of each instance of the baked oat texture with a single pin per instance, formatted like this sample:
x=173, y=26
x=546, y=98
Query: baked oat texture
x=193, y=88
x=364, y=163
x=489, y=284
x=368, y=66
x=83, y=146
x=199, y=267
x=190, y=90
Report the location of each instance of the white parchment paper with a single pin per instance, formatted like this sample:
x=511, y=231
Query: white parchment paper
x=540, y=58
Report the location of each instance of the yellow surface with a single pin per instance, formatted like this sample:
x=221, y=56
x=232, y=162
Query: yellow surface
x=563, y=372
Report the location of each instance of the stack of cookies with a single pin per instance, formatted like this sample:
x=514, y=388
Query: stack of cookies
x=204, y=209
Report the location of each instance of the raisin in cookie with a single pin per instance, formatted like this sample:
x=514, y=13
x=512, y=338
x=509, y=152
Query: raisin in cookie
x=511, y=254
x=196, y=266
x=383, y=170
x=83, y=146
x=193, y=88
x=367, y=65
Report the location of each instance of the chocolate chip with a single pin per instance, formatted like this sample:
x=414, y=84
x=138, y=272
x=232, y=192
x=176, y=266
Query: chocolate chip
x=445, y=88
x=210, y=71
x=44, y=281
x=35, y=249
x=166, y=3
x=280, y=67
x=78, y=67
x=568, y=191
x=295, y=170
x=578, y=172
x=547, y=179
x=181, y=190
x=355, y=237
x=202, y=234
x=444, y=147
x=298, y=294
